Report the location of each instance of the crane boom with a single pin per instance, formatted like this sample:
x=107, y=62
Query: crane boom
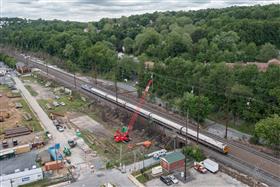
x=138, y=107
x=119, y=137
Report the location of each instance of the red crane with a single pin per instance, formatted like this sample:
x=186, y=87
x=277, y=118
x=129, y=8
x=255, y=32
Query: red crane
x=124, y=136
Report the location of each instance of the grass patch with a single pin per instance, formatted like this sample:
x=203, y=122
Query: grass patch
x=31, y=91
x=34, y=124
x=242, y=126
x=74, y=105
x=46, y=182
x=142, y=178
x=247, y=128
x=4, y=89
x=39, y=183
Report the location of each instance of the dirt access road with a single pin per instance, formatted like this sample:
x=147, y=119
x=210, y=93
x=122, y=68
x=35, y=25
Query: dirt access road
x=78, y=156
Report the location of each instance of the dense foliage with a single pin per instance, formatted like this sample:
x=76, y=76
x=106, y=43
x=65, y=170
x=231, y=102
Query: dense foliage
x=194, y=152
x=190, y=51
x=269, y=130
x=11, y=62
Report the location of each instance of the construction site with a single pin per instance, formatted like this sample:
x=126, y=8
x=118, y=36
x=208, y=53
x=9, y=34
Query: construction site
x=97, y=121
x=18, y=125
x=117, y=138
x=88, y=132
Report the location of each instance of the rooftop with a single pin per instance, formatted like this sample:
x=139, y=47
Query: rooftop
x=22, y=161
x=173, y=157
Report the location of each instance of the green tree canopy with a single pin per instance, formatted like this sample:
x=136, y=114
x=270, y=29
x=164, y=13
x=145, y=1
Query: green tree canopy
x=267, y=52
x=269, y=130
x=198, y=106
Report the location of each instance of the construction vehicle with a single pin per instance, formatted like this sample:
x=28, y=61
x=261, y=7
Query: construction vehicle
x=123, y=136
x=145, y=144
x=67, y=151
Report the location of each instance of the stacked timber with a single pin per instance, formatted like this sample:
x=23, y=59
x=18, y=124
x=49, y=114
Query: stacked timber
x=18, y=131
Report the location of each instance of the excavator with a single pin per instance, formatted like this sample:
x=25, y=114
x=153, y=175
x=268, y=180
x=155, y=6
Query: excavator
x=123, y=135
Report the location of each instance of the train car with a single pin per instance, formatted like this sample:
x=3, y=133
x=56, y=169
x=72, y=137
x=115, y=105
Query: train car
x=181, y=130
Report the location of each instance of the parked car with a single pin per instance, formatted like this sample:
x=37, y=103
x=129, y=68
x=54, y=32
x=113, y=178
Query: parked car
x=59, y=128
x=72, y=143
x=199, y=167
x=166, y=180
x=173, y=179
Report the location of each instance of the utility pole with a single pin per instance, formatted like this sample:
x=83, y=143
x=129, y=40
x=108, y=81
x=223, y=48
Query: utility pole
x=47, y=68
x=197, y=121
x=186, y=144
x=121, y=156
x=75, y=80
x=134, y=160
x=227, y=122
x=116, y=84
x=95, y=73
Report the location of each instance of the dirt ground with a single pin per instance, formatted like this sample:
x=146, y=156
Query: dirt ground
x=98, y=125
x=43, y=92
x=7, y=106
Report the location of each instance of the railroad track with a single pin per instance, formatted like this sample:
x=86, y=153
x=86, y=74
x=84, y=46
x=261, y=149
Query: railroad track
x=67, y=79
x=170, y=116
x=257, y=169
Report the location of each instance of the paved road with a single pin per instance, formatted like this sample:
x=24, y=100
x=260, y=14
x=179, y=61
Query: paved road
x=113, y=176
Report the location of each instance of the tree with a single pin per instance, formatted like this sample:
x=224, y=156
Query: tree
x=195, y=152
x=269, y=130
x=102, y=55
x=198, y=106
x=178, y=43
x=267, y=52
x=227, y=40
x=68, y=51
x=251, y=51
x=127, y=68
x=128, y=45
x=145, y=39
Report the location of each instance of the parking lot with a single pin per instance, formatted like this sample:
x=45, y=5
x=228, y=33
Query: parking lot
x=218, y=180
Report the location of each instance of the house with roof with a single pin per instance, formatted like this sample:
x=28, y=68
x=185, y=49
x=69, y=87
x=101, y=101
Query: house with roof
x=174, y=161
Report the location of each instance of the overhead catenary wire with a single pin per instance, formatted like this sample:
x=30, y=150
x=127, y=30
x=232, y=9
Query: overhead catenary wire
x=202, y=88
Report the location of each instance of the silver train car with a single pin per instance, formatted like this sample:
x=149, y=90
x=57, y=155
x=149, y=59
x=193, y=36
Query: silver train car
x=179, y=129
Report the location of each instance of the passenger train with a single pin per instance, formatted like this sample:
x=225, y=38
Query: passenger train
x=179, y=129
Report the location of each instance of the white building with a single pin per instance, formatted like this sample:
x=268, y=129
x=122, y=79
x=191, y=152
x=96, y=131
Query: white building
x=20, y=178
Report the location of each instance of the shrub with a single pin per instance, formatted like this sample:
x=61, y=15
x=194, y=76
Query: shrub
x=194, y=152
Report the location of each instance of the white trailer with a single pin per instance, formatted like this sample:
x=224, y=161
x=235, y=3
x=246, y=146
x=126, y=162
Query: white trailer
x=211, y=165
x=21, y=178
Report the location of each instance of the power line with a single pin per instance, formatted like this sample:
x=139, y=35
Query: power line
x=191, y=87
